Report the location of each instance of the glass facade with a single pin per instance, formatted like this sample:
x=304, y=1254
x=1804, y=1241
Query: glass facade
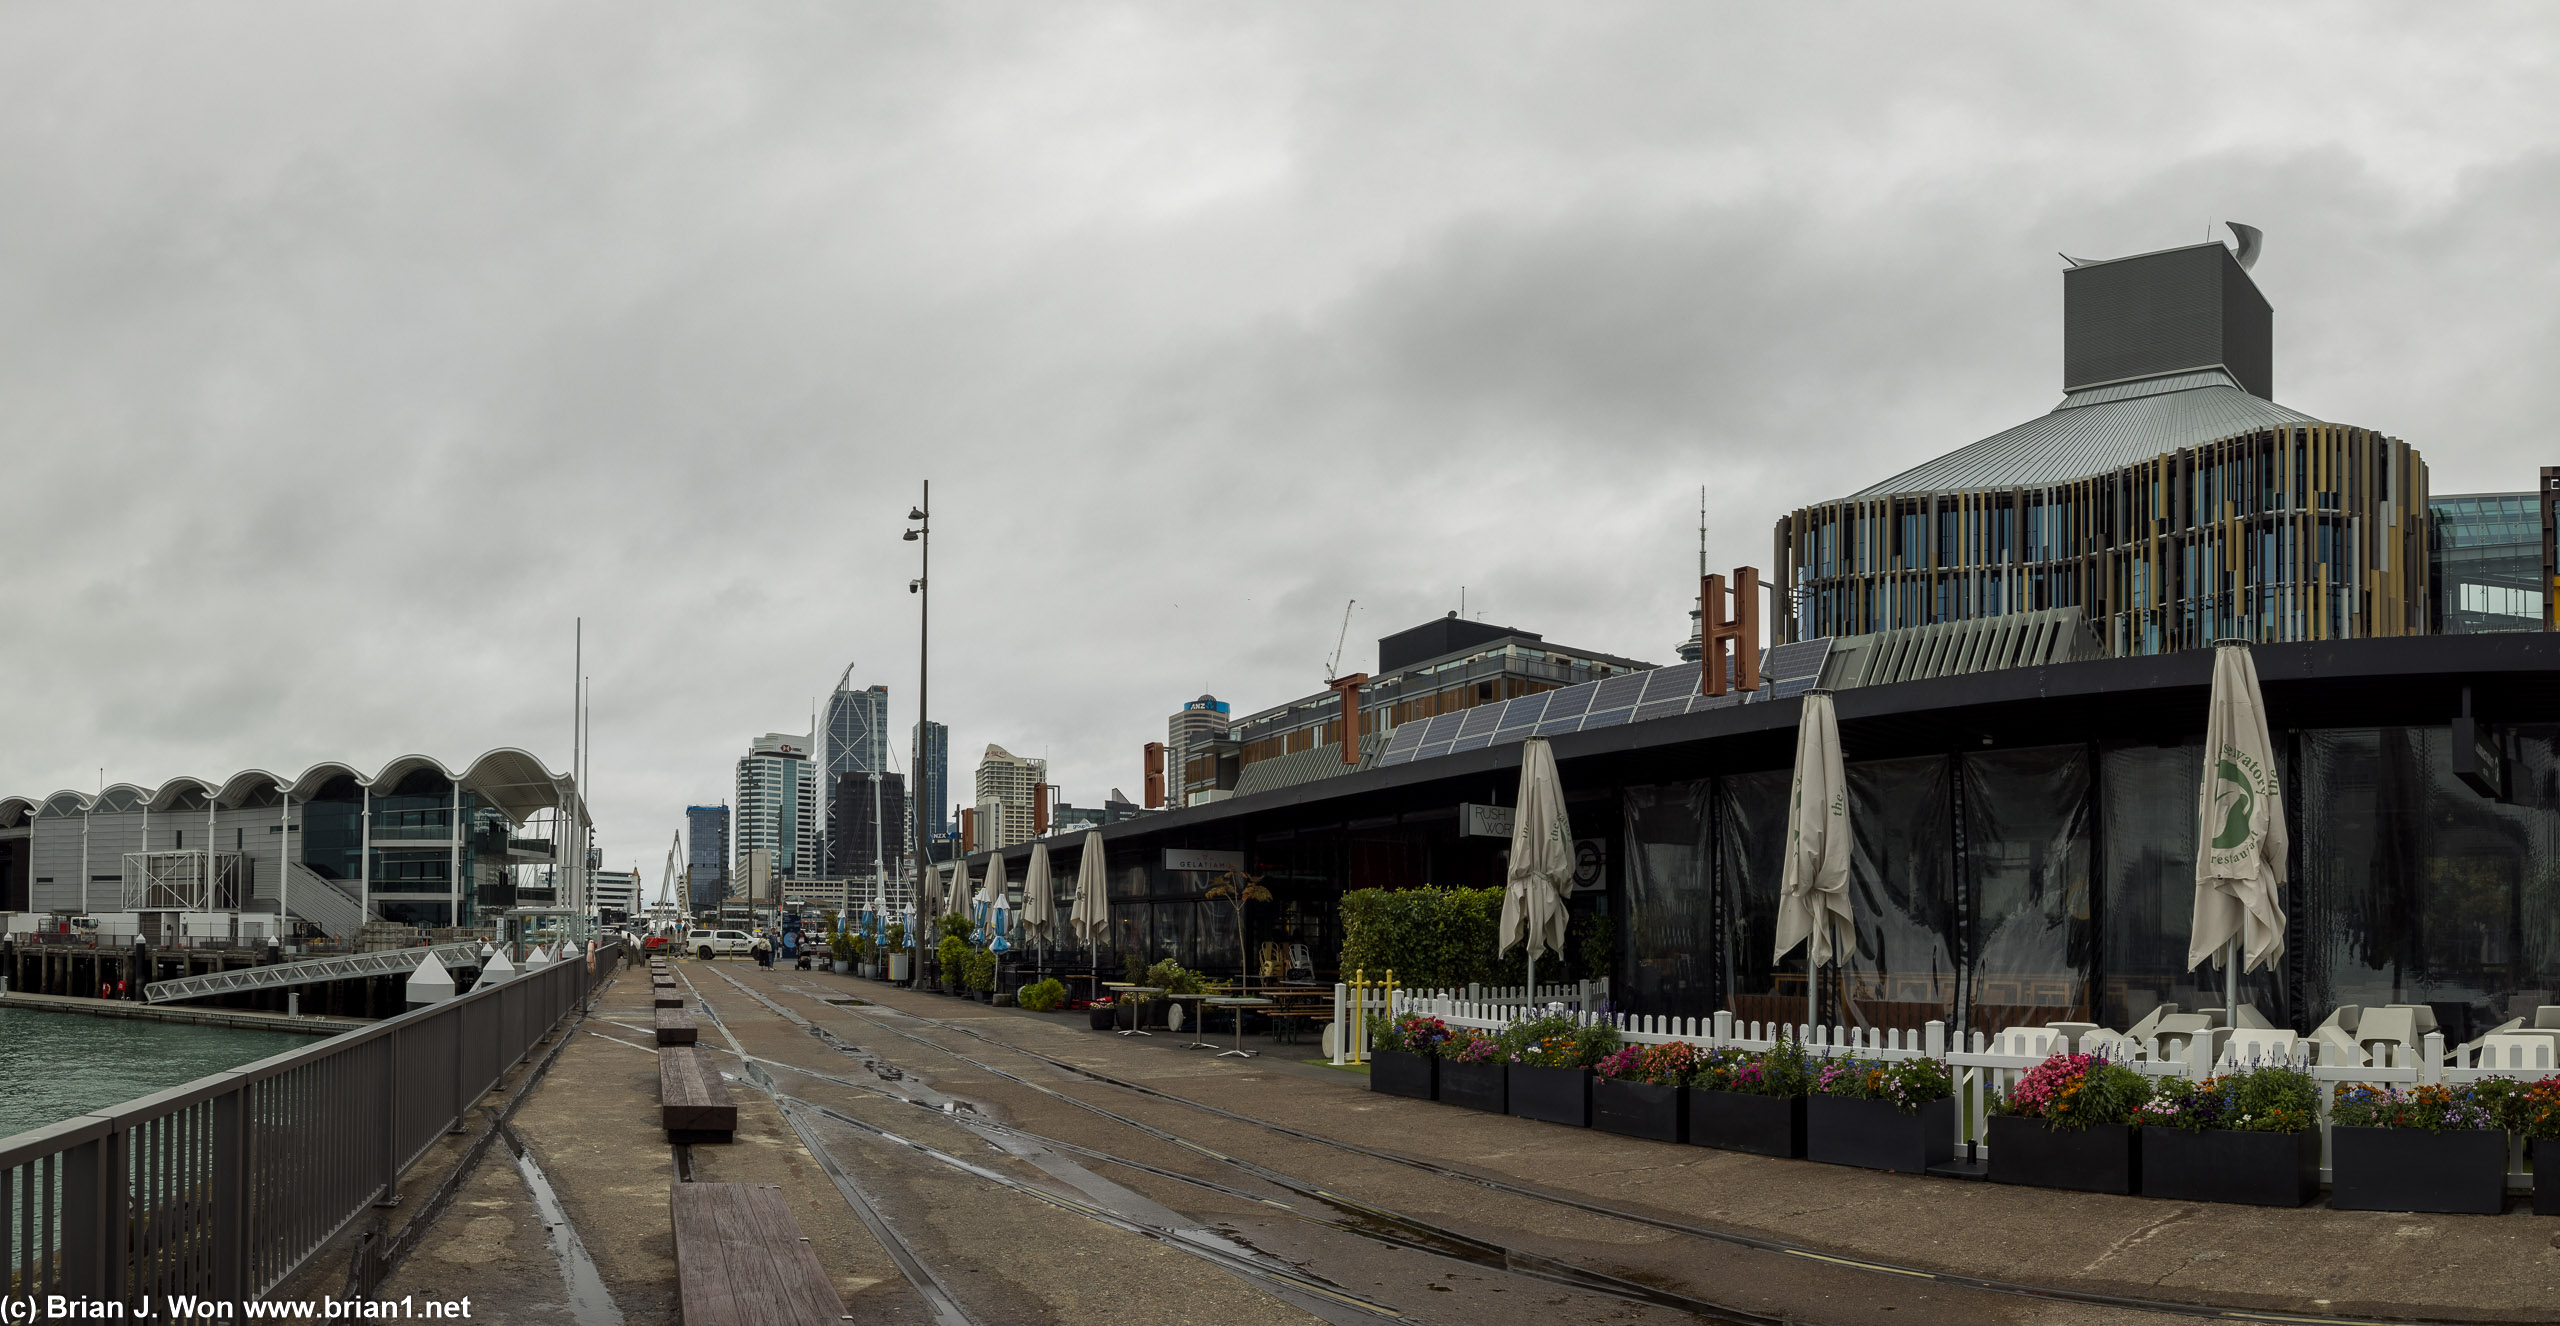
x=2487, y=554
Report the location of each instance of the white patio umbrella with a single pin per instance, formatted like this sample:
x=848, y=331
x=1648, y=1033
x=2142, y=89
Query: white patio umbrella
x=1813, y=893
x=2240, y=839
x=1039, y=899
x=1533, y=897
x=1090, y=919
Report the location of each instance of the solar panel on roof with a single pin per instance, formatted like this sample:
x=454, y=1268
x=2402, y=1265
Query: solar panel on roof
x=1677, y=682
x=1607, y=718
x=1646, y=713
x=1725, y=701
x=1803, y=658
x=1571, y=702
x=1559, y=726
x=1524, y=713
x=1404, y=756
x=1791, y=687
x=1472, y=741
x=1483, y=718
x=1620, y=692
x=1443, y=729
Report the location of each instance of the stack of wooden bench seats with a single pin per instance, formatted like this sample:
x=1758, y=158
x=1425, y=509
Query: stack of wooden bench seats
x=692, y=1100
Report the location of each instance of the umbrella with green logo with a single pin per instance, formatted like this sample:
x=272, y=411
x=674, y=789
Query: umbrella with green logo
x=2240, y=838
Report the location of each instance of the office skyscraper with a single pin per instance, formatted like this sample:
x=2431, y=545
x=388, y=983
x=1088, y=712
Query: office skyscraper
x=936, y=793
x=777, y=805
x=851, y=813
x=706, y=856
x=853, y=745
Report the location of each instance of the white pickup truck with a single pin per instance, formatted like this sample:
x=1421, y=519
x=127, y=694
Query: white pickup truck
x=713, y=943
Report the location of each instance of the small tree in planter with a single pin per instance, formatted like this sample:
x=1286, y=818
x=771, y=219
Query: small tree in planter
x=2534, y=1113
x=1893, y=1114
x=1642, y=1090
x=2250, y=1137
x=1744, y=1100
x=1473, y=1072
x=840, y=950
x=1551, y=1059
x=2431, y=1148
x=1406, y=1056
x=1041, y=996
x=2069, y=1122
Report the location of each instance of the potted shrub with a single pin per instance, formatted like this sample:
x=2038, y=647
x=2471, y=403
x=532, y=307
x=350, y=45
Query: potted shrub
x=1041, y=996
x=2069, y=1122
x=1741, y=1100
x=2430, y=1148
x=2534, y=1113
x=1892, y=1114
x=899, y=957
x=840, y=950
x=981, y=971
x=1550, y=1073
x=1642, y=1090
x=951, y=963
x=2251, y=1137
x=1406, y=1056
x=1472, y=1072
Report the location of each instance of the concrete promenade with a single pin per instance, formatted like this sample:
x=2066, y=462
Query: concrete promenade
x=1066, y=1213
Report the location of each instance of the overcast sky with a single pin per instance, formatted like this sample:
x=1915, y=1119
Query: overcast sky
x=348, y=351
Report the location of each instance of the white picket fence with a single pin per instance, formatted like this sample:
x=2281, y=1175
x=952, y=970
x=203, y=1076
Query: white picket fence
x=1989, y=1065
x=1353, y=1009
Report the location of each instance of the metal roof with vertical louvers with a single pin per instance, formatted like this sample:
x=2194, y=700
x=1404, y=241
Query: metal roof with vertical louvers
x=2096, y=430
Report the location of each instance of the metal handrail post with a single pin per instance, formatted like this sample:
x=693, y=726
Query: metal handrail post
x=230, y=1195
x=87, y=1229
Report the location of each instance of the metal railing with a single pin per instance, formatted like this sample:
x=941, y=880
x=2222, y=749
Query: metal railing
x=226, y=1186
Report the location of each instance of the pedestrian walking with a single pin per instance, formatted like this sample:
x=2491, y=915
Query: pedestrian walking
x=762, y=949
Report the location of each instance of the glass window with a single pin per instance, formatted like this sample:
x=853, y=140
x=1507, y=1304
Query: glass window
x=2147, y=826
x=1751, y=838
x=1902, y=893
x=2027, y=866
x=1670, y=912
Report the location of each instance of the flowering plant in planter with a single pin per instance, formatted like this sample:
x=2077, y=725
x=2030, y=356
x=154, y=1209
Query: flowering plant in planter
x=1780, y=1070
x=1466, y=1045
x=1666, y=1065
x=1557, y=1040
x=1408, y=1035
x=2434, y=1109
x=2269, y=1099
x=2534, y=1111
x=1905, y=1084
x=2074, y=1091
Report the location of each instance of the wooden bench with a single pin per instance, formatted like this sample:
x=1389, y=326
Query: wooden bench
x=675, y=1027
x=691, y=1096
x=741, y=1260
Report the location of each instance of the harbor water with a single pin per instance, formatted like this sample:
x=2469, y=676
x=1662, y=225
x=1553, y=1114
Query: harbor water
x=56, y=1065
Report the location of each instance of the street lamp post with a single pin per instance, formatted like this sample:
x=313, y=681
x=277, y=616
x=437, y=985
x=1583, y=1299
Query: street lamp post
x=922, y=588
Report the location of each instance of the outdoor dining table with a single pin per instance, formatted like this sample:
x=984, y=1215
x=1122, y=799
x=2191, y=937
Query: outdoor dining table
x=1239, y=1003
x=1193, y=1019
x=1125, y=988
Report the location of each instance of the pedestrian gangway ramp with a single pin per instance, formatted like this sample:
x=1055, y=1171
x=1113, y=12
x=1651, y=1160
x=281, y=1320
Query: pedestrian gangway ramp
x=345, y=966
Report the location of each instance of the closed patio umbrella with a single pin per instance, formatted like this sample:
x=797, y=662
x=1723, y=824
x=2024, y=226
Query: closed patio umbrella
x=2240, y=838
x=1039, y=900
x=1533, y=896
x=1090, y=919
x=1813, y=892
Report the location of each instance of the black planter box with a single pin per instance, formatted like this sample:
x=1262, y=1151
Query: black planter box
x=2252, y=1169
x=1477, y=1086
x=1640, y=1109
x=2098, y=1158
x=1874, y=1134
x=2405, y=1169
x=1551, y=1095
x=2546, y=1177
x=1740, y=1121
x=1398, y=1073
x=1103, y=1017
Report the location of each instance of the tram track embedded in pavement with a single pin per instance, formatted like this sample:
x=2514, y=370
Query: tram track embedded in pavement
x=1780, y=1247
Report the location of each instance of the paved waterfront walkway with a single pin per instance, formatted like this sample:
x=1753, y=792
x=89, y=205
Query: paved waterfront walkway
x=1005, y=1254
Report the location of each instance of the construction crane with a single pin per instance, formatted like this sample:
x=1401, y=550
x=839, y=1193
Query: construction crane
x=667, y=884
x=1339, y=639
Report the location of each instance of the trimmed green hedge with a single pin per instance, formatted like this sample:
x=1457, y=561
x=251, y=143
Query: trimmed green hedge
x=1432, y=938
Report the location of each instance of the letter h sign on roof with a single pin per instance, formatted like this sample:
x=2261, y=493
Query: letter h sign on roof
x=1736, y=627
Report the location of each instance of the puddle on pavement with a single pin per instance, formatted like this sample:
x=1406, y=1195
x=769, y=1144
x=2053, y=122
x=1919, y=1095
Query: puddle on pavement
x=589, y=1302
